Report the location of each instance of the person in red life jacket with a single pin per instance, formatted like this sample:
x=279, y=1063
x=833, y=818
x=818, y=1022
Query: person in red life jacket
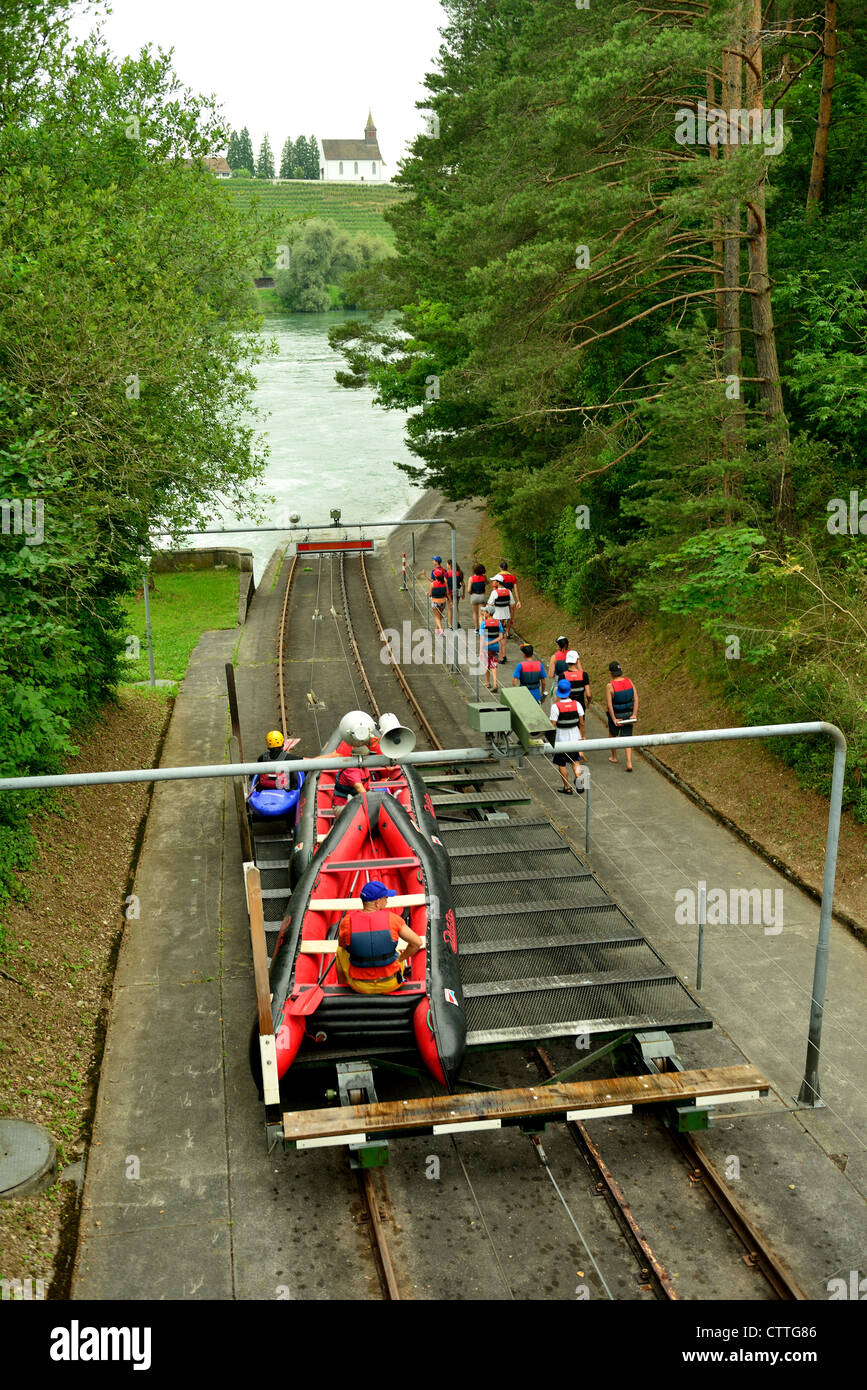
x=490, y=637
x=274, y=747
x=621, y=698
x=557, y=664
x=531, y=673
x=500, y=605
x=478, y=589
x=511, y=582
x=567, y=717
x=439, y=593
x=580, y=683
x=357, y=736
x=367, y=956
x=455, y=581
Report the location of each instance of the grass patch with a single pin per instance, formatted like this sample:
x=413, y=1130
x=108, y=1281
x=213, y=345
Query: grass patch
x=183, y=606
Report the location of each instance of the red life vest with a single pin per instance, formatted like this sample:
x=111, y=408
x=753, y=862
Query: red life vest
x=502, y=597
x=622, y=697
x=478, y=584
x=492, y=630
x=371, y=943
x=567, y=714
x=439, y=589
x=510, y=580
x=530, y=673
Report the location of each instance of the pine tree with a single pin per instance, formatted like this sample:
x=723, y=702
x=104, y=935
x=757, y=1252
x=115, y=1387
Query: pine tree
x=313, y=158
x=233, y=158
x=287, y=158
x=245, y=152
x=300, y=158
x=265, y=166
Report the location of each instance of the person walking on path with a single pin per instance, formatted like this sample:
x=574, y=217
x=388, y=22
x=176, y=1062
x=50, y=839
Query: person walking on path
x=557, y=664
x=455, y=581
x=621, y=699
x=490, y=636
x=530, y=673
x=511, y=582
x=439, y=592
x=478, y=589
x=580, y=681
x=500, y=605
x=567, y=717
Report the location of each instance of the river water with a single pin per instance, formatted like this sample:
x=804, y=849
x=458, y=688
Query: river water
x=330, y=447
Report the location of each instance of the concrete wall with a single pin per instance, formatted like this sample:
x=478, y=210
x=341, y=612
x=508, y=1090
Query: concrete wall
x=209, y=557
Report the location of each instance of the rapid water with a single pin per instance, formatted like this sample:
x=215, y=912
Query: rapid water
x=330, y=447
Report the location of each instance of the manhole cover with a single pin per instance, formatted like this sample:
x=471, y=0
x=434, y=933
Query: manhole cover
x=28, y=1158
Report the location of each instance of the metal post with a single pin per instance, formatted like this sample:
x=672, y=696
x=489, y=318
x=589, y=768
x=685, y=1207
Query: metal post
x=150, y=636
x=234, y=720
x=454, y=624
x=702, y=914
x=809, y=1093
x=586, y=775
x=403, y=572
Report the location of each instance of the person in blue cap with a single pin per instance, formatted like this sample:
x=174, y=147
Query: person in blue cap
x=567, y=716
x=367, y=956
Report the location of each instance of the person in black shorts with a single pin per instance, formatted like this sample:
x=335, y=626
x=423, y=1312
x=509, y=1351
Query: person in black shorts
x=621, y=700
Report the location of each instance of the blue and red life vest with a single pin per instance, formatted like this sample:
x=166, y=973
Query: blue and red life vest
x=439, y=588
x=560, y=665
x=371, y=943
x=530, y=673
x=622, y=697
x=568, y=713
x=493, y=630
x=478, y=584
x=510, y=580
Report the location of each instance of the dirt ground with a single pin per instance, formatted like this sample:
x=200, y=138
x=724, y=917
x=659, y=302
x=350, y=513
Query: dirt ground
x=741, y=781
x=53, y=1009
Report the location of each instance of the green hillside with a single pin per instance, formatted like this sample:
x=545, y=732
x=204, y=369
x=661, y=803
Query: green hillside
x=357, y=207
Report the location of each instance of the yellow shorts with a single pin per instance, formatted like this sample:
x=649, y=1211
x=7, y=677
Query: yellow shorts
x=386, y=986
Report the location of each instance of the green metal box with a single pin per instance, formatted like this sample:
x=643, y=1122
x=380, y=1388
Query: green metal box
x=489, y=719
x=529, y=719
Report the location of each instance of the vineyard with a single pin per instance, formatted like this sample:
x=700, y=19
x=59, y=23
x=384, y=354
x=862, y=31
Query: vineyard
x=355, y=207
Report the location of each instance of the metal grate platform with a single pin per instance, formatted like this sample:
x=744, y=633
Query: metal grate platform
x=545, y=952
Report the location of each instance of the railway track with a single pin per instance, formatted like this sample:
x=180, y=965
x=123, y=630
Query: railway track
x=364, y=629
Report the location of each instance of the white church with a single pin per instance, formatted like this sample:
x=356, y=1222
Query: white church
x=353, y=161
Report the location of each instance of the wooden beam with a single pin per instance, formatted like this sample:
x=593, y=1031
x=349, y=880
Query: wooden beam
x=492, y=1109
x=270, y=1082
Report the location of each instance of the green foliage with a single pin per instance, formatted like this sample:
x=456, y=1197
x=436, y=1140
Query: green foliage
x=320, y=255
x=127, y=338
x=265, y=164
x=244, y=152
x=555, y=276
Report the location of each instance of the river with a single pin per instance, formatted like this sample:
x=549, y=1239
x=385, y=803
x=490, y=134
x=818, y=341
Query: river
x=330, y=447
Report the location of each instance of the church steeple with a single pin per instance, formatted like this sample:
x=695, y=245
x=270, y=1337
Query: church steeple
x=370, y=130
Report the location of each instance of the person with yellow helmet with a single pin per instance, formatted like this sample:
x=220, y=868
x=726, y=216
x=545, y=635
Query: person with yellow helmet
x=274, y=741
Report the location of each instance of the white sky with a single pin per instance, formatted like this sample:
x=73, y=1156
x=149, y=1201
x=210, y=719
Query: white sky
x=300, y=67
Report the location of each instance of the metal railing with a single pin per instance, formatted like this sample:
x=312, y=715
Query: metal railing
x=809, y=1094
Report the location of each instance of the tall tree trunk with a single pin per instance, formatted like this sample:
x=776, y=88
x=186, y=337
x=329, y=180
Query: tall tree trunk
x=733, y=419
x=767, y=366
x=820, y=148
x=718, y=278
x=789, y=26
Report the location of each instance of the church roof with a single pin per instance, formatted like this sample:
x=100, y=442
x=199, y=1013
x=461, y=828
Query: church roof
x=351, y=149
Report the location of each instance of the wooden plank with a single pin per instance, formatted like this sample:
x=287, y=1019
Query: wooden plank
x=329, y=947
x=347, y=904
x=610, y=1093
x=239, y=787
x=270, y=1083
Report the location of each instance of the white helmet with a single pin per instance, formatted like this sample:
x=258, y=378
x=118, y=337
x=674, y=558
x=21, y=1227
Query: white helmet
x=357, y=728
